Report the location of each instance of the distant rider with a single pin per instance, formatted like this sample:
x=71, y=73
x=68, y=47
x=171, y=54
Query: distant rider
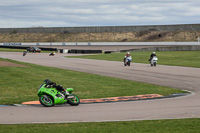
x=128, y=56
x=24, y=53
x=152, y=55
x=52, y=53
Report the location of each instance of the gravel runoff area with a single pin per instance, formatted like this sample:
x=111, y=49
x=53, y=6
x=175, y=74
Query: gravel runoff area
x=171, y=108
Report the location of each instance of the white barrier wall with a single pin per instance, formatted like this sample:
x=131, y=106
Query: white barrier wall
x=101, y=43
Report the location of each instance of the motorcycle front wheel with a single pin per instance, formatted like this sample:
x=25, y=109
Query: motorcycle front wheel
x=46, y=101
x=74, y=101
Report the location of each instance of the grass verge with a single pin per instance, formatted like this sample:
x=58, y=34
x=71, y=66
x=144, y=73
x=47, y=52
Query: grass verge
x=11, y=50
x=20, y=84
x=173, y=58
x=148, y=126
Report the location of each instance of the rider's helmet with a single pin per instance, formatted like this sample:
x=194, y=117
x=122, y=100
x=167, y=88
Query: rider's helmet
x=154, y=52
x=47, y=81
x=128, y=52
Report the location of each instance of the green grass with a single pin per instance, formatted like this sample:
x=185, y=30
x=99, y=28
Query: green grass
x=148, y=126
x=173, y=58
x=11, y=50
x=20, y=84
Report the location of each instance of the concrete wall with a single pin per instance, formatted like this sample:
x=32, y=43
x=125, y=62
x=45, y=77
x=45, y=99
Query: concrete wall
x=188, y=27
x=174, y=48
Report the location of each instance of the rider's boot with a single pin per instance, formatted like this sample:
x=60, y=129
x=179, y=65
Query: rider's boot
x=66, y=93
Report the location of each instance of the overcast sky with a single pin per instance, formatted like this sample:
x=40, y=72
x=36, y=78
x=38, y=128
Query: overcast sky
x=77, y=13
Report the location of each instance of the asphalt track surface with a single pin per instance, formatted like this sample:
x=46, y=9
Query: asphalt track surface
x=185, y=78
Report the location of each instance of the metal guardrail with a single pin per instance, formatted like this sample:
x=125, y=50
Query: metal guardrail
x=175, y=46
x=25, y=47
x=100, y=43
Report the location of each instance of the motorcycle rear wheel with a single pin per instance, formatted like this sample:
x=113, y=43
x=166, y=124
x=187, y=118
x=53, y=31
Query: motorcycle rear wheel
x=46, y=101
x=74, y=101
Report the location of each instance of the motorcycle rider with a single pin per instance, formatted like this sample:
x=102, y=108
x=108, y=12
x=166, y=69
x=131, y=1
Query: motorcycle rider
x=128, y=55
x=50, y=84
x=24, y=53
x=52, y=53
x=127, y=59
x=152, y=55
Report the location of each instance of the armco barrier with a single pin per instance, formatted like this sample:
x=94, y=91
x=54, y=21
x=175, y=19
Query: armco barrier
x=104, y=43
x=181, y=46
x=77, y=51
x=13, y=47
x=25, y=47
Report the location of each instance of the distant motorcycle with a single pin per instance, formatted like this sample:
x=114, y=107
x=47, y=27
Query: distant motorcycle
x=24, y=53
x=153, y=61
x=127, y=61
x=52, y=54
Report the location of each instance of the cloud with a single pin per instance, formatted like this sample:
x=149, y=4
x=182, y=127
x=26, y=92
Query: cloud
x=69, y=13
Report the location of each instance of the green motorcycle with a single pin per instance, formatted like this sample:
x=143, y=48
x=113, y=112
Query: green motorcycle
x=49, y=96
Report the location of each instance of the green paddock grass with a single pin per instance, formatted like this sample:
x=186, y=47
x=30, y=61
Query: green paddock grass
x=173, y=58
x=20, y=84
x=148, y=126
x=11, y=50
